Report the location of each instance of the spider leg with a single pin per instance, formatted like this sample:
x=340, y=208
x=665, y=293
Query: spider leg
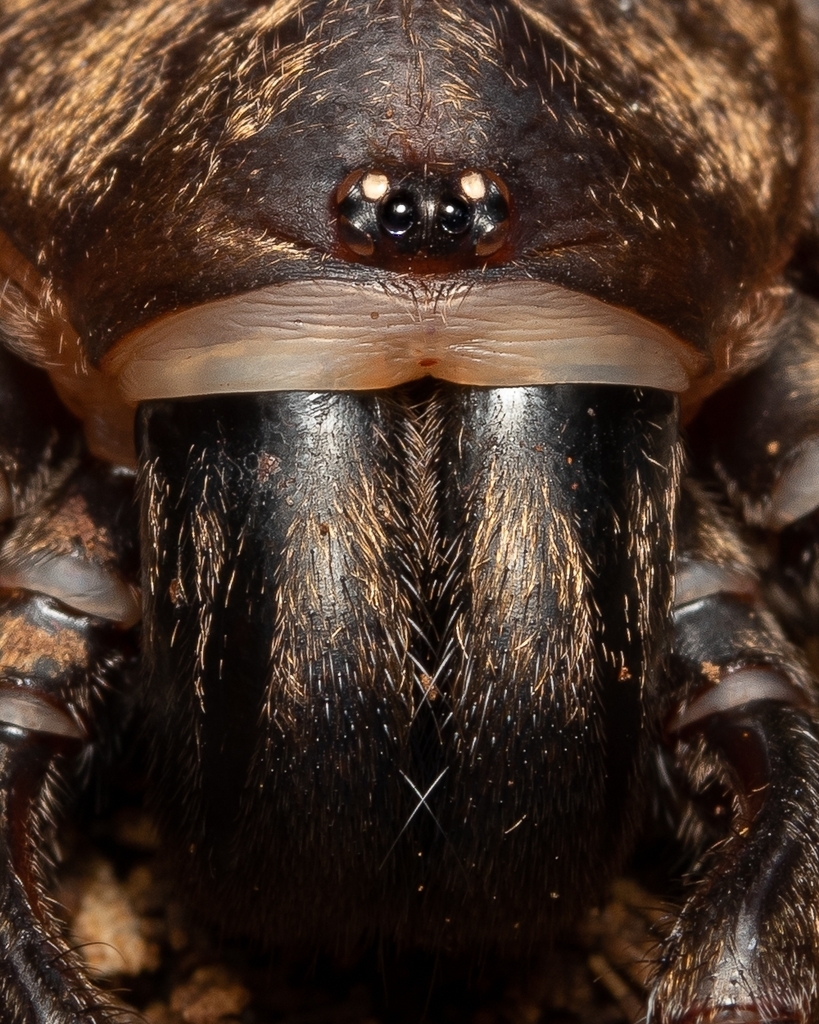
x=47, y=710
x=39, y=439
x=761, y=438
x=67, y=605
x=744, y=737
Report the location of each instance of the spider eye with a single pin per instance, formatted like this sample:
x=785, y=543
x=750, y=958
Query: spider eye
x=399, y=214
x=454, y=215
x=432, y=218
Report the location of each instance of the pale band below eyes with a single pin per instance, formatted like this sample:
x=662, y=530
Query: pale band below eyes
x=341, y=336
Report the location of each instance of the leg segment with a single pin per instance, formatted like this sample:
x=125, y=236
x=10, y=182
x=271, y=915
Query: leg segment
x=745, y=740
x=761, y=438
x=66, y=654
x=46, y=721
x=39, y=440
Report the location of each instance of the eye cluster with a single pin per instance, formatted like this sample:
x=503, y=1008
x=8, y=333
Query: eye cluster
x=459, y=218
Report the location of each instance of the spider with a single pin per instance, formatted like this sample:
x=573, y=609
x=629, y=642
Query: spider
x=462, y=356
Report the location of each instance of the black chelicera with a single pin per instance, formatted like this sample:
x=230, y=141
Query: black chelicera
x=429, y=331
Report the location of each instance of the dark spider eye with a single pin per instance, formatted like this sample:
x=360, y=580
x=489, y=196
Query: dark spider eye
x=454, y=215
x=399, y=214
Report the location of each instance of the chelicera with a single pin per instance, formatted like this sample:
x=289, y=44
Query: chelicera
x=428, y=332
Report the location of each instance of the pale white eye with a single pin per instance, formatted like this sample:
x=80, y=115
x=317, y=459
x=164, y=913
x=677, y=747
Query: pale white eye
x=374, y=185
x=473, y=184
